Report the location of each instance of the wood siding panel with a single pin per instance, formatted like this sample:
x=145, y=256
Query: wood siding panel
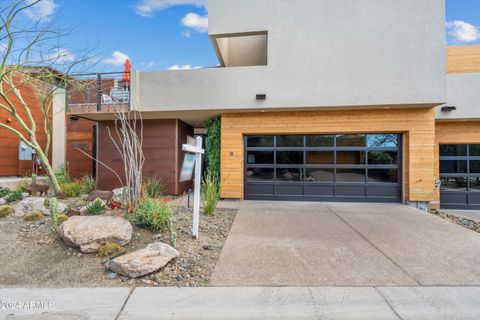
x=10, y=165
x=79, y=135
x=416, y=125
x=161, y=141
x=463, y=59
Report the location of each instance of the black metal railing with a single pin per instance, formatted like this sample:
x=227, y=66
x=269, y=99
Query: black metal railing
x=94, y=91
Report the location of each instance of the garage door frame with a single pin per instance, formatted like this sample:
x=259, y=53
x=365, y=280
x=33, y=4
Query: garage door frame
x=323, y=191
x=458, y=169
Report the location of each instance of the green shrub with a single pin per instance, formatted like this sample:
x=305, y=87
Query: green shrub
x=14, y=196
x=4, y=192
x=96, y=207
x=108, y=249
x=72, y=188
x=62, y=176
x=5, y=211
x=212, y=146
x=152, y=214
x=88, y=184
x=154, y=187
x=33, y=216
x=22, y=184
x=211, y=193
x=61, y=218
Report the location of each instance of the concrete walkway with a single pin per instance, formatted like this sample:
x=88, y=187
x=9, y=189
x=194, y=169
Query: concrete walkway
x=345, y=244
x=369, y=303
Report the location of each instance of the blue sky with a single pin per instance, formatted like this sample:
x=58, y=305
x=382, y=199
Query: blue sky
x=163, y=34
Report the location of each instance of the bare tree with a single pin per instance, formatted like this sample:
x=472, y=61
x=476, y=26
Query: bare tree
x=31, y=55
x=129, y=143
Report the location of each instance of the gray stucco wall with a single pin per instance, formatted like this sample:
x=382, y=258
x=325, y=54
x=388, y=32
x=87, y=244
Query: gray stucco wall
x=321, y=53
x=463, y=92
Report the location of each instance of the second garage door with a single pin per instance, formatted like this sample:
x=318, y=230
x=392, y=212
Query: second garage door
x=327, y=167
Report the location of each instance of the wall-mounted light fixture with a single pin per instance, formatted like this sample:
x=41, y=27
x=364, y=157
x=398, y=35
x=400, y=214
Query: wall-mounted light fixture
x=261, y=96
x=73, y=118
x=448, y=108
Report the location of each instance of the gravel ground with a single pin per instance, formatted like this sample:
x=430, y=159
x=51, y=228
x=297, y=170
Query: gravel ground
x=31, y=257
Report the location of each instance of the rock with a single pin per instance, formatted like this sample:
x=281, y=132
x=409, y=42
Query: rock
x=179, y=278
x=118, y=192
x=36, y=204
x=111, y=276
x=25, y=195
x=91, y=232
x=207, y=247
x=103, y=195
x=2, y=201
x=5, y=211
x=144, y=261
x=72, y=213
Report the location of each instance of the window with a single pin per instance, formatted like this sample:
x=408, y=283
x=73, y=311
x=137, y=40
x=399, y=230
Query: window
x=259, y=174
x=320, y=141
x=260, y=157
x=383, y=175
x=289, y=157
x=260, y=141
x=350, y=157
x=453, y=150
x=382, y=157
x=320, y=157
x=351, y=140
x=350, y=175
x=289, y=141
x=319, y=175
x=382, y=140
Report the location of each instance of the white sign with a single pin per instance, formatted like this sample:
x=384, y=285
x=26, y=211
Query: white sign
x=187, y=167
x=197, y=151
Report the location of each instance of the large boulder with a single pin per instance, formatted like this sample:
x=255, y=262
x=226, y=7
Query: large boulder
x=36, y=204
x=103, y=195
x=91, y=232
x=144, y=261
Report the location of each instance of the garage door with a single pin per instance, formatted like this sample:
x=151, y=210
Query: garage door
x=333, y=167
x=460, y=176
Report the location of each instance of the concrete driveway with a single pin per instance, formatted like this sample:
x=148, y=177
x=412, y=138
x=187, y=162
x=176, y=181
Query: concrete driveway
x=345, y=244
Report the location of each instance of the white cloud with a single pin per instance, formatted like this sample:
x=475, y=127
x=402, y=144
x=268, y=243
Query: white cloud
x=184, y=67
x=118, y=58
x=42, y=10
x=196, y=22
x=61, y=55
x=463, y=31
x=147, y=8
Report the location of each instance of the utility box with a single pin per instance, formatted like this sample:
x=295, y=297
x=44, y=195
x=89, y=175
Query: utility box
x=24, y=151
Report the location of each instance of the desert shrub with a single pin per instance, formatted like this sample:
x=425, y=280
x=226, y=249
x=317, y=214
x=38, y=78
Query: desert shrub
x=96, y=207
x=61, y=218
x=108, y=249
x=62, y=176
x=20, y=187
x=4, y=192
x=152, y=214
x=211, y=193
x=5, y=211
x=72, y=188
x=154, y=187
x=13, y=196
x=88, y=184
x=33, y=216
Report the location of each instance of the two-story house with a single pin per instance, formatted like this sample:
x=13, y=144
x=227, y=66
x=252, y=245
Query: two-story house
x=323, y=101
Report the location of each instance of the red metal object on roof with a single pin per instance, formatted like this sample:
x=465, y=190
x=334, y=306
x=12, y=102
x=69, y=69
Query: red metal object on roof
x=126, y=70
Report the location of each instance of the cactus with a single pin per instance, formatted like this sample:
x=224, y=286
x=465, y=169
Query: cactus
x=52, y=206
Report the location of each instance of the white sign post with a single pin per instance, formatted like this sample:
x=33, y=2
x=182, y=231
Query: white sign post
x=198, y=151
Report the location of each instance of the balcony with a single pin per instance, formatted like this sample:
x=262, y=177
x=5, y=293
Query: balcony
x=98, y=93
